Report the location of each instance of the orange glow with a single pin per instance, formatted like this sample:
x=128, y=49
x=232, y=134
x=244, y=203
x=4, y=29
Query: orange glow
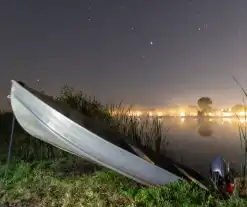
x=228, y=120
x=243, y=120
x=159, y=114
x=225, y=114
x=242, y=113
x=138, y=113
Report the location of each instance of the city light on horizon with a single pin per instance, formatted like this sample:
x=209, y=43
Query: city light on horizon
x=182, y=114
x=220, y=113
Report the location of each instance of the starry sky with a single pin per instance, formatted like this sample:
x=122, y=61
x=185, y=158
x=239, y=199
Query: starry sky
x=153, y=53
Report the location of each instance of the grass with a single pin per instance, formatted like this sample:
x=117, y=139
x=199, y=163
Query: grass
x=42, y=175
x=61, y=183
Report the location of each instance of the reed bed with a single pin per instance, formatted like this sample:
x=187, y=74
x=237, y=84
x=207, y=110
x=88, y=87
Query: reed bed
x=242, y=180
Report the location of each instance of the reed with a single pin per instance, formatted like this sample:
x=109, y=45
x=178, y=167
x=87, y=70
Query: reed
x=242, y=128
x=241, y=182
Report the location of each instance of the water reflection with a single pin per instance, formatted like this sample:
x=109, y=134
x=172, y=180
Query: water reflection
x=205, y=127
x=227, y=121
x=199, y=141
x=182, y=120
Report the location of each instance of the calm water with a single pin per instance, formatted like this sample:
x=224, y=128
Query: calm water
x=200, y=141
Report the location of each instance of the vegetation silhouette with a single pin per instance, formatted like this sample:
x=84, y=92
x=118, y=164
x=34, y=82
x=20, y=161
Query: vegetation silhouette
x=238, y=108
x=204, y=104
x=204, y=127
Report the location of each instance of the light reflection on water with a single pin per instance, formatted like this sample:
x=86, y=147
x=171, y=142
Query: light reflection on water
x=199, y=141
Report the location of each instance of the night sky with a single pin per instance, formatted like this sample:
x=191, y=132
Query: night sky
x=155, y=53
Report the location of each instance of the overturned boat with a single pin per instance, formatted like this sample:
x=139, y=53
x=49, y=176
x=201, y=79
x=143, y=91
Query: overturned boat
x=55, y=123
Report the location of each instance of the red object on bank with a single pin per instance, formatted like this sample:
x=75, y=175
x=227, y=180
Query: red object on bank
x=230, y=188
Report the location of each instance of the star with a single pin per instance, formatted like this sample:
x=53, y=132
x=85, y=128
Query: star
x=151, y=43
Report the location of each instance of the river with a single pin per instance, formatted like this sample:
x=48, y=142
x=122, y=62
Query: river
x=196, y=142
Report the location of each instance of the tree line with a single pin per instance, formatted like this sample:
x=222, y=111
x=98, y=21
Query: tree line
x=205, y=106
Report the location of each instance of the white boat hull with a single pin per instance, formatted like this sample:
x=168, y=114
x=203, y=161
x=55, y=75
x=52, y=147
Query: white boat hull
x=46, y=123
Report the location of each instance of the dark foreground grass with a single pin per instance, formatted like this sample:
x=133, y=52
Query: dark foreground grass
x=65, y=183
x=42, y=175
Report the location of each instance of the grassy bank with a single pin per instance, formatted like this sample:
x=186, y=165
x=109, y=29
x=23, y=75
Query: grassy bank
x=41, y=175
x=76, y=182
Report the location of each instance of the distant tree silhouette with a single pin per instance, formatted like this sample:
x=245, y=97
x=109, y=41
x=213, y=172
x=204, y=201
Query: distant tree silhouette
x=199, y=113
x=204, y=103
x=238, y=108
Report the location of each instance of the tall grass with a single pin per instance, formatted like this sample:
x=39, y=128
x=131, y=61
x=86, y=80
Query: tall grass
x=25, y=147
x=243, y=134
